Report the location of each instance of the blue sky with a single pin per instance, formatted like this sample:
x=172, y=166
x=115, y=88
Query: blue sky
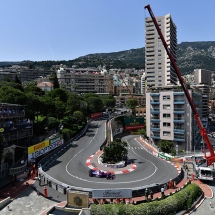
x=67, y=29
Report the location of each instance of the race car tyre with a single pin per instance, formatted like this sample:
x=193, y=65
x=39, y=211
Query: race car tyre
x=90, y=174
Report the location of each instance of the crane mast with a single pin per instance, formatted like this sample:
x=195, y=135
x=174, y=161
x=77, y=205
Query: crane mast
x=211, y=158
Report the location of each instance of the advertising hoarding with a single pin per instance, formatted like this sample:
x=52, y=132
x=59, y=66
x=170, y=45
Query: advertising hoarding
x=44, y=147
x=134, y=123
x=109, y=194
x=95, y=115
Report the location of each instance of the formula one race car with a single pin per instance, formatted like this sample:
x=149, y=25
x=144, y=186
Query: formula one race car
x=101, y=174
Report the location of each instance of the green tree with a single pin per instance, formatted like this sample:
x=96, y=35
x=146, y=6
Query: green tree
x=60, y=109
x=166, y=146
x=95, y=104
x=61, y=94
x=115, y=152
x=53, y=78
x=17, y=81
x=12, y=96
x=34, y=106
x=132, y=103
x=142, y=132
x=109, y=102
x=78, y=115
x=74, y=103
x=48, y=106
x=32, y=87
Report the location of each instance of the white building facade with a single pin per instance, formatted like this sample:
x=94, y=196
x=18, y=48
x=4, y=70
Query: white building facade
x=169, y=117
x=158, y=68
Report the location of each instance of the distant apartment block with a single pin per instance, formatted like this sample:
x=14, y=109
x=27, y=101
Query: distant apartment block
x=205, y=91
x=202, y=76
x=24, y=74
x=143, y=83
x=123, y=97
x=169, y=117
x=158, y=68
x=85, y=80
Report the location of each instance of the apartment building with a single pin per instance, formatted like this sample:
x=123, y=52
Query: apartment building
x=143, y=83
x=123, y=97
x=169, y=117
x=205, y=91
x=23, y=74
x=158, y=68
x=202, y=76
x=85, y=80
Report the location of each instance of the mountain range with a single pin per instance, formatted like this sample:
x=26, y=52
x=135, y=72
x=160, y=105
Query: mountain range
x=190, y=56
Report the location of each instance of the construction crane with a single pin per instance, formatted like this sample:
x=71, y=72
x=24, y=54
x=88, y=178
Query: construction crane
x=211, y=158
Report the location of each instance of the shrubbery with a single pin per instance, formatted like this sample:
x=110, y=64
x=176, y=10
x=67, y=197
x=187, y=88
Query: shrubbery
x=179, y=201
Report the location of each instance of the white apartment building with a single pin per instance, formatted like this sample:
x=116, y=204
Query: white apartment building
x=85, y=80
x=143, y=83
x=169, y=117
x=158, y=68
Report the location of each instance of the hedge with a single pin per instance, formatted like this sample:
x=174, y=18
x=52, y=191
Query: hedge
x=181, y=200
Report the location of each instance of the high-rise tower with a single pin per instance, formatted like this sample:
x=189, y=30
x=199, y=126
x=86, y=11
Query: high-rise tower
x=158, y=68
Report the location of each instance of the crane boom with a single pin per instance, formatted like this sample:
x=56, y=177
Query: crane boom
x=211, y=157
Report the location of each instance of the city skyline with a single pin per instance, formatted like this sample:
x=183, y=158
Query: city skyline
x=65, y=30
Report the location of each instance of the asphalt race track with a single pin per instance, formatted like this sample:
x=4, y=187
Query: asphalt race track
x=71, y=167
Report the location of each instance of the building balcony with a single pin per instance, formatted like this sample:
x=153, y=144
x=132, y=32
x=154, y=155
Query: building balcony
x=155, y=137
x=154, y=129
x=154, y=102
x=179, y=112
x=154, y=120
x=154, y=94
x=179, y=102
x=155, y=111
x=182, y=121
x=179, y=140
x=179, y=131
x=178, y=93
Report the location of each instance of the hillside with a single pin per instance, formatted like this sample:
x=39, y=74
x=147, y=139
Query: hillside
x=191, y=55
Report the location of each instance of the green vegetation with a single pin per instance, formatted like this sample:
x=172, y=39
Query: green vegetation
x=49, y=110
x=166, y=146
x=181, y=200
x=132, y=103
x=115, y=151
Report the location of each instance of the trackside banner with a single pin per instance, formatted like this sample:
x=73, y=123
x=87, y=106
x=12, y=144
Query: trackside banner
x=52, y=144
x=95, y=115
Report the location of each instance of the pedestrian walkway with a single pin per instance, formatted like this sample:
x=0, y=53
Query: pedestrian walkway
x=13, y=191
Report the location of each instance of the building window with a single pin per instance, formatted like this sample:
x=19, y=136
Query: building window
x=166, y=115
x=166, y=124
x=166, y=107
x=166, y=133
x=166, y=97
